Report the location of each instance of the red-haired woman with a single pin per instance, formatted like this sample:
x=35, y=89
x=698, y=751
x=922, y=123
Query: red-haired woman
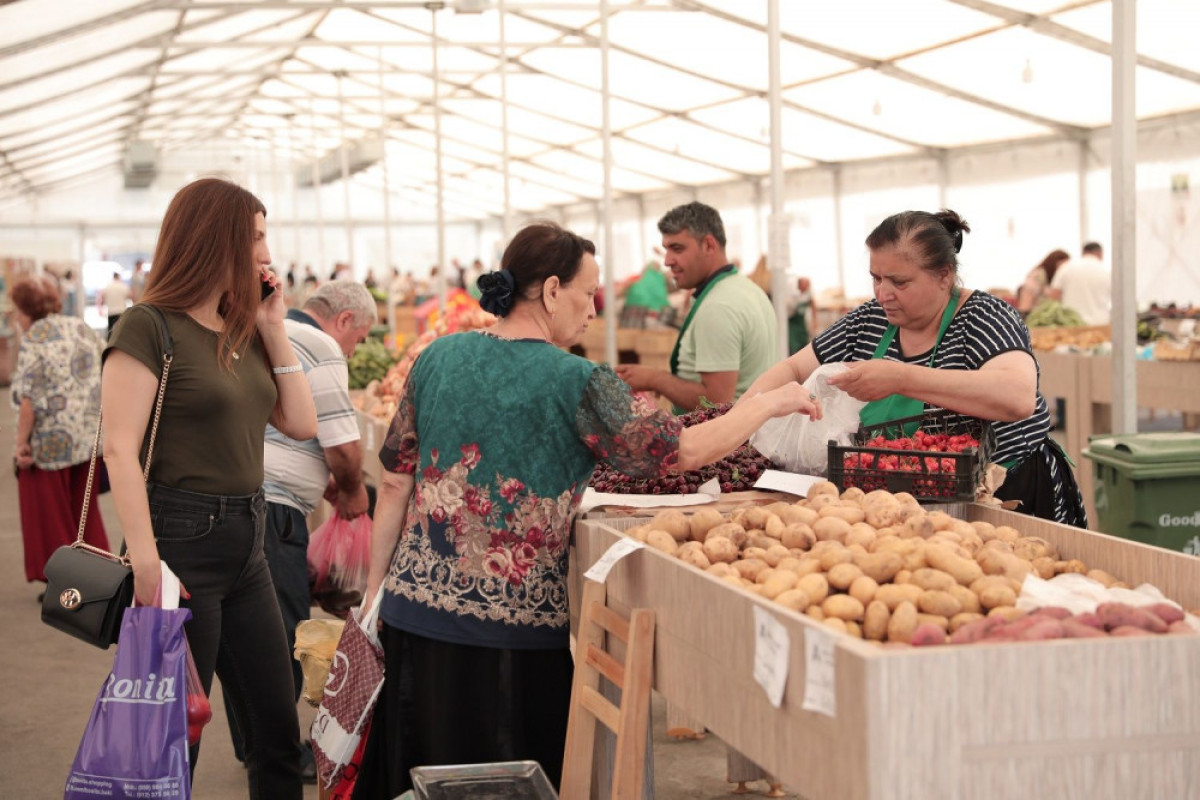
x=202, y=510
x=56, y=389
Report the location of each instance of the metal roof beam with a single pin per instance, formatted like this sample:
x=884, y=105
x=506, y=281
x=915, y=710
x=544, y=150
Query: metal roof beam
x=83, y=27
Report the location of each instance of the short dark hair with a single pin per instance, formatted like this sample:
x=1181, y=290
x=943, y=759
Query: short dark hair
x=1093, y=248
x=696, y=218
x=541, y=250
x=934, y=239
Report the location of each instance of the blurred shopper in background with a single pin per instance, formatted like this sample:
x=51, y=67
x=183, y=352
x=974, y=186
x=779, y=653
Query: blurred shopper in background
x=1034, y=291
x=728, y=337
x=114, y=297
x=1085, y=284
x=137, y=281
x=496, y=437
x=202, y=510
x=799, y=306
x=56, y=390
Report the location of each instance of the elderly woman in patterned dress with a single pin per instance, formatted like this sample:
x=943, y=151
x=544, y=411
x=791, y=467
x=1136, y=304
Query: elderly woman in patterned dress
x=56, y=391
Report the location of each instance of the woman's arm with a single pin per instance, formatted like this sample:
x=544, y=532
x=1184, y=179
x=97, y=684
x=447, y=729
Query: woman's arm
x=391, y=510
x=1004, y=389
x=709, y=441
x=294, y=414
x=128, y=391
x=796, y=367
x=24, y=449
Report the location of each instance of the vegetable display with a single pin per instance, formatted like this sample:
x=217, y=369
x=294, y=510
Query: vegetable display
x=877, y=566
x=369, y=362
x=736, y=472
x=1053, y=314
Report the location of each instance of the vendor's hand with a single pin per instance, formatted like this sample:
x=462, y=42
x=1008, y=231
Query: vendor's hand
x=23, y=456
x=870, y=380
x=640, y=378
x=352, y=504
x=792, y=398
x=273, y=310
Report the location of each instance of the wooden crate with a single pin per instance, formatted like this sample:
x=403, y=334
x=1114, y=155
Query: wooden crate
x=1109, y=719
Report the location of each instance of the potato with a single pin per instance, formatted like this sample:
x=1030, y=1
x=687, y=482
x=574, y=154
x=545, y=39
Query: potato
x=1102, y=577
x=1166, y=612
x=1031, y=547
x=1073, y=566
x=775, y=526
x=727, y=530
x=795, y=599
x=1007, y=613
x=835, y=623
x=850, y=514
x=1129, y=630
x=917, y=527
x=693, y=555
x=822, y=488
x=883, y=514
x=638, y=532
x=775, y=553
x=875, y=621
x=903, y=622
x=720, y=569
x=759, y=539
x=933, y=619
x=754, y=552
x=1119, y=615
x=973, y=631
x=940, y=603
x=661, y=540
x=831, y=557
x=968, y=599
x=814, y=611
x=995, y=596
x=1053, y=612
x=992, y=580
x=863, y=589
x=755, y=517
x=797, y=513
x=940, y=520
x=1042, y=630
x=1074, y=629
x=673, y=522
x=985, y=530
x=854, y=629
x=840, y=576
x=915, y=558
x=903, y=576
x=893, y=595
x=999, y=544
x=964, y=618
x=994, y=562
x=853, y=495
x=703, y=521
x=928, y=634
x=964, y=570
x=820, y=501
x=932, y=579
x=749, y=568
x=861, y=534
x=842, y=606
x=719, y=548
x=779, y=582
x=815, y=586
x=798, y=535
x=1181, y=627
x=880, y=567
x=1043, y=567
x=831, y=529
x=1007, y=534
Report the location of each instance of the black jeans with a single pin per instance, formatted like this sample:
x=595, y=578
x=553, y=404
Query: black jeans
x=286, y=548
x=215, y=545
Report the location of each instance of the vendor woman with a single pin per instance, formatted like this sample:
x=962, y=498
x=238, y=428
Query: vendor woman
x=926, y=342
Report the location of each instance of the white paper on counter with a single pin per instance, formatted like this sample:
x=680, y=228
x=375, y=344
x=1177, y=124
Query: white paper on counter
x=772, y=654
x=598, y=572
x=790, y=482
x=820, y=680
x=706, y=493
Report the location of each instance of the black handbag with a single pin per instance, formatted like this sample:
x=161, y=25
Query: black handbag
x=88, y=589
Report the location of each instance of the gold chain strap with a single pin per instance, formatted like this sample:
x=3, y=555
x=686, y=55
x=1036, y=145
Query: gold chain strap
x=87, y=492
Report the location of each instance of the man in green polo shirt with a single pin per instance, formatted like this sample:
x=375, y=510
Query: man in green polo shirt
x=727, y=339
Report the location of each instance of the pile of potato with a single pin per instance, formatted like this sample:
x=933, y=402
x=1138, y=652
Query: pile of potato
x=874, y=565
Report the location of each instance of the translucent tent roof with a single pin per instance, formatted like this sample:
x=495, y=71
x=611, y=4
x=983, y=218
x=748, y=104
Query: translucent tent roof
x=862, y=80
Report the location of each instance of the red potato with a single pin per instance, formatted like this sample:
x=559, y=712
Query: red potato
x=1180, y=627
x=1166, y=612
x=1074, y=629
x=1129, y=630
x=1118, y=615
x=1090, y=619
x=975, y=631
x=928, y=634
x=1054, y=612
x=1042, y=630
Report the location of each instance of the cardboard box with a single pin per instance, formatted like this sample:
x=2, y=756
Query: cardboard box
x=1109, y=719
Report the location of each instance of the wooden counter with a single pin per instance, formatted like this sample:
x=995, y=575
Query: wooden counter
x=651, y=346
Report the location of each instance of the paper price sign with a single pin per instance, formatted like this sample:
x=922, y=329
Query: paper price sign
x=772, y=650
x=598, y=572
x=820, y=680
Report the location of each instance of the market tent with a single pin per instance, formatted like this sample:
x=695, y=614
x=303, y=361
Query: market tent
x=876, y=95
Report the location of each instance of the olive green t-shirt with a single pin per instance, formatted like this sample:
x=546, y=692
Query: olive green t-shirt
x=210, y=437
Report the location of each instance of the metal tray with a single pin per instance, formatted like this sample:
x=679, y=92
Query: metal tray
x=508, y=780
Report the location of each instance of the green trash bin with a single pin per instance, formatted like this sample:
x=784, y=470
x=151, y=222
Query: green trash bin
x=1148, y=487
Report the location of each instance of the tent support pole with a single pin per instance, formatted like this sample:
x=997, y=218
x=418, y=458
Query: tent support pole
x=1084, y=224
x=839, y=247
x=387, y=200
x=441, y=178
x=609, y=282
x=779, y=242
x=344, y=157
x=316, y=187
x=506, y=222
x=1124, y=217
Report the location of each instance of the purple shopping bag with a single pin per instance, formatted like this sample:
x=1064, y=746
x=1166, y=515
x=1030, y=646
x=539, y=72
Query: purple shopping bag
x=135, y=744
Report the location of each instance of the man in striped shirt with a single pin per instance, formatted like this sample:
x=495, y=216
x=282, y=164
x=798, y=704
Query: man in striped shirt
x=297, y=474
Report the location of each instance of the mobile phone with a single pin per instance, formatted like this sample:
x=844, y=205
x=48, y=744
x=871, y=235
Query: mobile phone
x=267, y=289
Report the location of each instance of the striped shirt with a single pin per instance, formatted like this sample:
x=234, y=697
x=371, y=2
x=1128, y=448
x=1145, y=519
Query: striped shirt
x=295, y=472
x=983, y=328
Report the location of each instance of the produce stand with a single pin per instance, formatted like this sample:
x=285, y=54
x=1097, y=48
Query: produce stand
x=1093, y=719
x=652, y=346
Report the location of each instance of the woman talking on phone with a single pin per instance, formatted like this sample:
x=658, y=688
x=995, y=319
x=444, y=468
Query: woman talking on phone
x=202, y=509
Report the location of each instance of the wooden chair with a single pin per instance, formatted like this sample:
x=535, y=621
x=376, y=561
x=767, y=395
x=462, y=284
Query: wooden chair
x=630, y=720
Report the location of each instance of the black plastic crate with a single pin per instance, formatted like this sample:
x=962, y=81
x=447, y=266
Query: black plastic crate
x=928, y=475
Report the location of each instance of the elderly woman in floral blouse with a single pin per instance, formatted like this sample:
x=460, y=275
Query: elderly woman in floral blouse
x=56, y=390
x=496, y=437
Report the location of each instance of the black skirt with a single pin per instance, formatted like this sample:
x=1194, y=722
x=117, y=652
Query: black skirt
x=445, y=703
x=1045, y=484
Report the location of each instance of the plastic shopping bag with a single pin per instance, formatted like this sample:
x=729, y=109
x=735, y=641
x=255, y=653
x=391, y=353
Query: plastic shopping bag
x=136, y=741
x=351, y=691
x=339, y=553
x=799, y=443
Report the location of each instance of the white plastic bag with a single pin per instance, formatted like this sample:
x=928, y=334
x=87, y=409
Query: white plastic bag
x=798, y=443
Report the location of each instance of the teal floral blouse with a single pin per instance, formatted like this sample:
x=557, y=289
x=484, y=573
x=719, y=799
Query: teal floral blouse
x=502, y=437
x=58, y=371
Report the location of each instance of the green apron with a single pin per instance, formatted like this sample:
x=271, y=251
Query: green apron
x=897, y=406
x=691, y=313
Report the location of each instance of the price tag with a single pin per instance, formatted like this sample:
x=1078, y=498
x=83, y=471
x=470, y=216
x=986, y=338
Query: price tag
x=772, y=650
x=598, y=572
x=819, y=677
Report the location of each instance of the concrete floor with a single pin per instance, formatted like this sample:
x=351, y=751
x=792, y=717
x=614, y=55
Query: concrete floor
x=48, y=682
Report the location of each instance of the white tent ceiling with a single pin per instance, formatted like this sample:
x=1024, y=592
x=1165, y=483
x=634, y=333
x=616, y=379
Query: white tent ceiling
x=863, y=79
